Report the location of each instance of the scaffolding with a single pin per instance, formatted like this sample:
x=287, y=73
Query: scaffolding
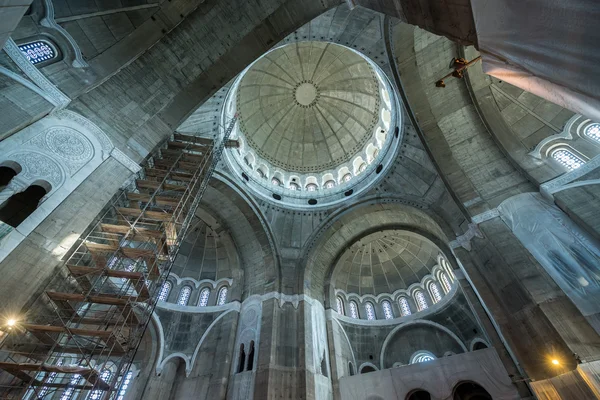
x=83, y=331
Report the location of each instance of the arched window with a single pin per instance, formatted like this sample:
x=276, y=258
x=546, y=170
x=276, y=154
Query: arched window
x=311, y=187
x=422, y=356
x=593, y=131
x=370, y=311
x=105, y=376
x=435, y=292
x=261, y=173
x=445, y=282
x=347, y=177
x=125, y=385
x=353, y=309
x=421, y=300
x=276, y=181
x=404, y=306
x=294, y=186
x=204, y=295
x=350, y=368
x=329, y=184
x=184, y=296
x=21, y=205
x=339, y=305
x=164, y=291
x=39, y=51
x=362, y=168
x=567, y=158
x=222, y=297
x=387, y=310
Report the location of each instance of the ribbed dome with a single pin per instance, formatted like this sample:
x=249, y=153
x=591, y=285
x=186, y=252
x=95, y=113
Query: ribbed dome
x=384, y=262
x=308, y=106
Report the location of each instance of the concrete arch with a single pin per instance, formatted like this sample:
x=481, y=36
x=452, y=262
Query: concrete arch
x=399, y=328
x=350, y=224
x=251, y=234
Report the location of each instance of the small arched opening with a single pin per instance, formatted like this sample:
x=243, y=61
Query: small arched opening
x=251, y=356
x=242, y=359
x=366, y=369
x=470, y=391
x=7, y=172
x=21, y=205
x=419, y=395
x=479, y=346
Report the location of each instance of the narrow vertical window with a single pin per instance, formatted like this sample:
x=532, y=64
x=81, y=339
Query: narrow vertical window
x=387, y=310
x=242, y=361
x=353, y=309
x=370, y=311
x=435, y=292
x=222, y=298
x=204, y=295
x=567, y=158
x=70, y=391
x=97, y=394
x=50, y=379
x=446, y=282
x=251, y=356
x=164, y=291
x=125, y=385
x=421, y=300
x=38, y=52
x=340, y=305
x=184, y=296
x=404, y=306
x=593, y=131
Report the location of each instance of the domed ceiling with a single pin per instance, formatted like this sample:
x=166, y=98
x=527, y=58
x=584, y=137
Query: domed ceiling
x=308, y=106
x=384, y=262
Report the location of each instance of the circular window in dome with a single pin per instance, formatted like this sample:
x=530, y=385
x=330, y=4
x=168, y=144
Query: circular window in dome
x=314, y=119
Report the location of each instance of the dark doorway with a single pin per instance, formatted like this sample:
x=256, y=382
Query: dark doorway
x=470, y=391
x=20, y=205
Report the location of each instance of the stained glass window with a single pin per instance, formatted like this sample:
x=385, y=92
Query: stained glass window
x=276, y=182
x=593, y=131
x=404, y=306
x=204, y=295
x=70, y=391
x=446, y=282
x=50, y=379
x=353, y=309
x=347, y=177
x=38, y=51
x=329, y=184
x=125, y=385
x=387, y=310
x=435, y=292
x=421, y=300
x=567, y=158
x=222, y=298
x=311, y=187
x=340, y=305
x=422, y=357
x=97, y=394
x=370, y=311
x=164, y=291
x=184, y=296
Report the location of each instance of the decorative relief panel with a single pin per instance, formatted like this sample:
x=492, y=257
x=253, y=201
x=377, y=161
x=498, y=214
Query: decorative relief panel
x=66, y=144
x=39, y=166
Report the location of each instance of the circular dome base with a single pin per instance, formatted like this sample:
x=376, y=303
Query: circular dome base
x=306, y=94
